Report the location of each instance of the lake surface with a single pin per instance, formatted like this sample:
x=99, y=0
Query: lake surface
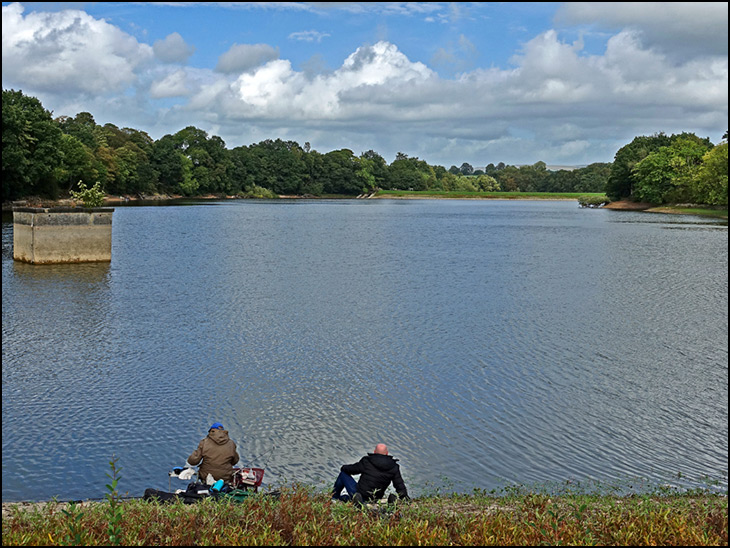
x=488, y=343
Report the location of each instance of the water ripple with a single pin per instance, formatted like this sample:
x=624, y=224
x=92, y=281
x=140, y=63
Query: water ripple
x=486, y=343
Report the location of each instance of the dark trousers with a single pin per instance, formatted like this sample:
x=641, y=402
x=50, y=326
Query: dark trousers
x=346, y=482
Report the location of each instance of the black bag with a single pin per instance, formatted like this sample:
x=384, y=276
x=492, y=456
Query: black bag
x=191, y=496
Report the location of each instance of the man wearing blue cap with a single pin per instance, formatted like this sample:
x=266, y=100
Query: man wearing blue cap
x=218, y=455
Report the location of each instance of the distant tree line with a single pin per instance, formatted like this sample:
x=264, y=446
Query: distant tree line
x=48, y=157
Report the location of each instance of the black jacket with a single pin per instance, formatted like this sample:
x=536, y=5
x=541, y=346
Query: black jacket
x=376, y=474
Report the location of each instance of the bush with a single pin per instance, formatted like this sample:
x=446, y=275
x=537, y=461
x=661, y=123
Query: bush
x=592, y=201
x=256, y=191
x=90, y=197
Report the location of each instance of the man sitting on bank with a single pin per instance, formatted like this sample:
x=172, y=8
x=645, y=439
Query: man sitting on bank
x=377, y=471
x=216, y=454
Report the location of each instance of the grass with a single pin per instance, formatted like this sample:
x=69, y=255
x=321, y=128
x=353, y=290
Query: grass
x=585, y=198
x=298, y=515
x=485, y=195
x=704, y=212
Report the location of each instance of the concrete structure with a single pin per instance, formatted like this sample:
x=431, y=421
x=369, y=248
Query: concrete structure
x=51, y=235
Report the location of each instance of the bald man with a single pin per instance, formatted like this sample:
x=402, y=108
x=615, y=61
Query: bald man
x=377, y=471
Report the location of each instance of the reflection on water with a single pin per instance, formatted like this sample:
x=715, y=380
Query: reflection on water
x=81, y=276
x=488, y=343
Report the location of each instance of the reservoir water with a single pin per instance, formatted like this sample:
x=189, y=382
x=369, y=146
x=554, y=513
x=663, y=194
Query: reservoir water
x=488, y=343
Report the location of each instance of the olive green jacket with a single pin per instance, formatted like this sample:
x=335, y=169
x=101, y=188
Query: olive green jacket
x=218, y=455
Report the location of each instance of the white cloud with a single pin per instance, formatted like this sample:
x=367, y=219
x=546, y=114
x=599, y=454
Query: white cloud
x=173, y=85
x=244, y=57
x=69, y=51
x=557, y=102
x=556, y=95
x=308, y=36
x=679, y=29
x=276, y=90
x=172, y=49
x=270, y=88
x=380, y=64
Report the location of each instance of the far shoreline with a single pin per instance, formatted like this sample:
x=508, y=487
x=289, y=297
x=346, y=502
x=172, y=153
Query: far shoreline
x=619, y=205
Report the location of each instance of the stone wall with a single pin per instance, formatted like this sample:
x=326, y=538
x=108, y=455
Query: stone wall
x=62, y=235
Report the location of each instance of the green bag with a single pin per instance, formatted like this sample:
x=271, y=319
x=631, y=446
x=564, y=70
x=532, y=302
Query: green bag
x=238, y=495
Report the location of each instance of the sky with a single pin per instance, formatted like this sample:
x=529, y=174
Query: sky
x=567, y=84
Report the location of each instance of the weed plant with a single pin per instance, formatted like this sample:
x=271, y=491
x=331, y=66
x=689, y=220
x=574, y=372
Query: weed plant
x=298, y=515
x=89, y=197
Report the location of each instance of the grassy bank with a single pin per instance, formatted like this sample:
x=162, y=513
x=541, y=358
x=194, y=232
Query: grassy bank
x=300, y=516
x=484, y=195
x=598, y=197
x=703, y=212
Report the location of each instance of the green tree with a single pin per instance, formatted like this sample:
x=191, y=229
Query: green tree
x=487, y=183
x=533, y=178
x=31, y=148
x=621, y=181
x=339, y=173
x=440, y=172
x=406, y=173
x=314, y=163
x=364, y=174
x=447, y=181
x=130, y=158
x=84, y=128
x=208, y=170
x=77, y=163
x=667, y=174
x=219, y=178
x=241, y=173
x=562, y=180
x=710, y=185
x=191, y=143
x=377, y=166
x=508, y=178
x=106, y=165
x=466, y=184
x=125, y=155
x=466, y=169
x=166, y=163
x=530, y=178
x=592, y=178
x=188, y=185
x=280, y=166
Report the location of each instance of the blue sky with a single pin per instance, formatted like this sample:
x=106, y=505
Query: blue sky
x=486, y=82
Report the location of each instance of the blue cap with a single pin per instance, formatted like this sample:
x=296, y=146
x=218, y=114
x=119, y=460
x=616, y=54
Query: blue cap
x=216, y=425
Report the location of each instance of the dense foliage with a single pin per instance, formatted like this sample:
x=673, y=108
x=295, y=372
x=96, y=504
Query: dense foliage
x=670, y=169
x=49, y=158
x=32, y=147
